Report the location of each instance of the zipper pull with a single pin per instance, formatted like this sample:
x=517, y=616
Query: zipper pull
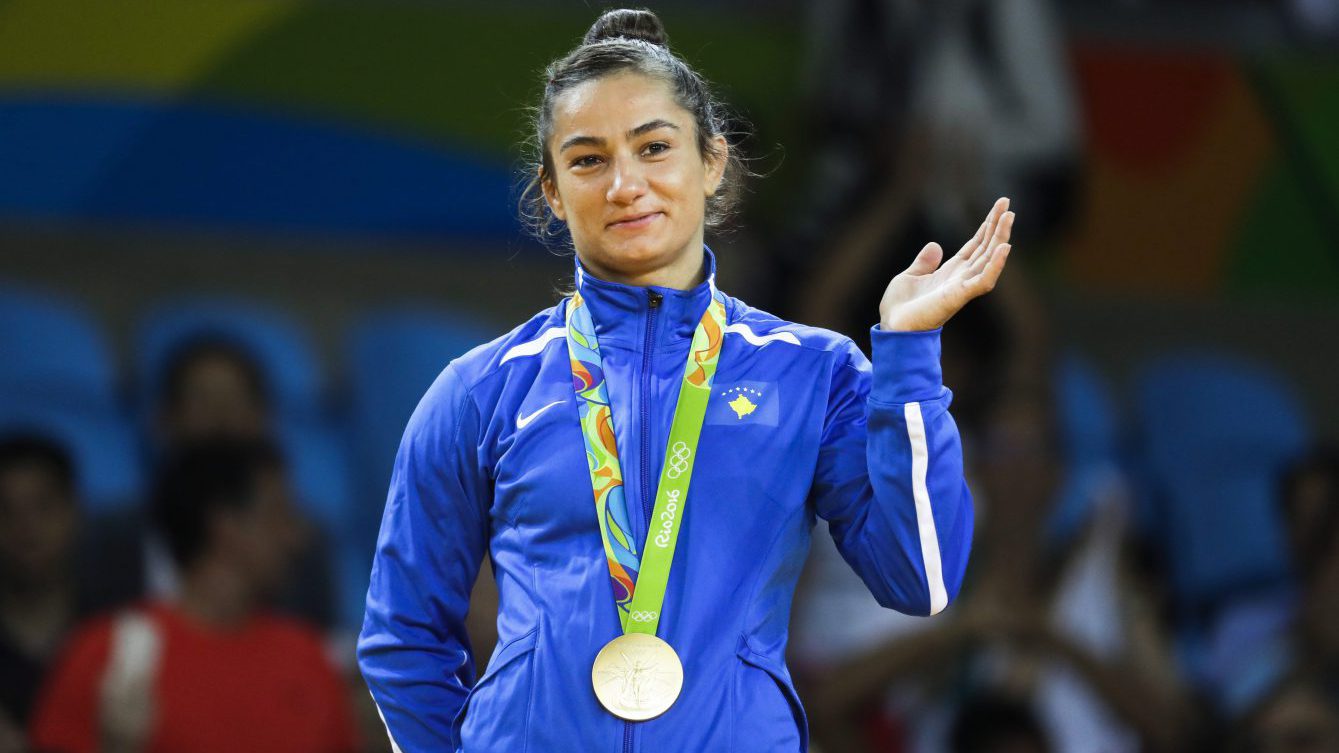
x=655, y=298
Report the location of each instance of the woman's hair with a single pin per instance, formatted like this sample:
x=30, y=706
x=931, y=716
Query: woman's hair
x=627, y=40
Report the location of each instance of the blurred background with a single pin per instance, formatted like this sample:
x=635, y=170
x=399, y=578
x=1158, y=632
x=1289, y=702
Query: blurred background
x=250, y=233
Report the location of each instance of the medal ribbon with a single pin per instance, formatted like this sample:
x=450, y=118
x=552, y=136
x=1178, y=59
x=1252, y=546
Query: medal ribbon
x=639, y=596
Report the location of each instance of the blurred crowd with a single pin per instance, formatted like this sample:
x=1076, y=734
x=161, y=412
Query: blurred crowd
x=1154, y=571
x=1155, y=568
x=147, y=619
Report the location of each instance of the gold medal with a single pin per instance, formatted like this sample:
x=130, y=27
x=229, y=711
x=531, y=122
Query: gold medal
x=637, y=676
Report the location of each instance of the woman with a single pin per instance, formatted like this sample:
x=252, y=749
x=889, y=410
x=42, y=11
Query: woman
x=657, y=620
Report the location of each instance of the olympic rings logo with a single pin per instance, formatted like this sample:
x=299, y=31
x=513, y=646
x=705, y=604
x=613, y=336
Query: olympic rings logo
x=678, y=462
x=639, y=615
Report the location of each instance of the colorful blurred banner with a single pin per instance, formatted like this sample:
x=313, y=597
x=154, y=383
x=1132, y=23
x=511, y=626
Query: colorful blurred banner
x=1207, y=174
x=390, y=120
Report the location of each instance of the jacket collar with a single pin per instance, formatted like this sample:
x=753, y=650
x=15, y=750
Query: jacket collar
x=622, y=313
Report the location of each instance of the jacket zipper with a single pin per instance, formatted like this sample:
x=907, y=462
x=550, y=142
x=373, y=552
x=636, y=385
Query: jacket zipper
x=653, y=307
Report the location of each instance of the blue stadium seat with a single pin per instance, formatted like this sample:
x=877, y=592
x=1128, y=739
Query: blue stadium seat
x=1089, y=430
x=101, y=445
x=317, y=458
x=1087, y=417
x=393, y=357
x=319, y=470
x=277, y=343
x=1214, y=433
x=52, y=350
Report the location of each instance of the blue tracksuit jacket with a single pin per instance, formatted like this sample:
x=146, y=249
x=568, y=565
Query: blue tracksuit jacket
x=492, y=463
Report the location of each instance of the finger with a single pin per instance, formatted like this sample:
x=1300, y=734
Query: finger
x=960, y=258
x=1003, y=230
x=984, y=231
x=971, y=273
x=927, y=260
x=979, y=263
x=1004, y=223
x=971, y=244
x=984, y=281
x=983, y=245
x=979, y=241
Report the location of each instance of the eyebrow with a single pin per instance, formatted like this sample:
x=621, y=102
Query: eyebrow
x=646, y=127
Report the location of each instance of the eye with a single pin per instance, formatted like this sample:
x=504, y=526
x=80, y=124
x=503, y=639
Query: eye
x=589, y=160
x=656, y=147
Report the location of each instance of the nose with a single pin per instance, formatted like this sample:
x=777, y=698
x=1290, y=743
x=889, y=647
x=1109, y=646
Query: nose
x=629, y=182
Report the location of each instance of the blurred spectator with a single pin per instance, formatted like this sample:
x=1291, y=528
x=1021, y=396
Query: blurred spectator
x=39, y=599
x=1298, y=717
x=211, y=389
x=212, y=669
x=929, y=111
x=1310, y=501
x=991, y=724
x=1302, y=645
x=1062, y=624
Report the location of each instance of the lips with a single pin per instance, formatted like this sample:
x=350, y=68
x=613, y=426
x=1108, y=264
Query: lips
x=636, y=221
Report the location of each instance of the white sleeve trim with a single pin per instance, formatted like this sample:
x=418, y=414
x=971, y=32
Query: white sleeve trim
x=925, y=520
x=394, y=747
x=756, y=340
x=534, y=346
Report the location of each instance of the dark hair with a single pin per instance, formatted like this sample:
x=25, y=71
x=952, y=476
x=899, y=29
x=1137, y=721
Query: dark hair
x=201, y=478
x=185, y=355
x=628, y=40
x=986, y=721
x=17, y=450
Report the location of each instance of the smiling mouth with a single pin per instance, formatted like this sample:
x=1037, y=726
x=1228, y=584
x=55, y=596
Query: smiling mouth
x=634, y=223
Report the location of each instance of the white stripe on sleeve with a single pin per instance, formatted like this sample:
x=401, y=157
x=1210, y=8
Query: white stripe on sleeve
x=925, y=519
x=534, y=346
x=394, y=748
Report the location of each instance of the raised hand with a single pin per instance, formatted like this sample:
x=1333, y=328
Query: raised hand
x=928, y=293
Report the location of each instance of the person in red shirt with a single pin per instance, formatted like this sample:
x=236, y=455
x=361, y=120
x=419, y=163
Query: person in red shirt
x=212, y=670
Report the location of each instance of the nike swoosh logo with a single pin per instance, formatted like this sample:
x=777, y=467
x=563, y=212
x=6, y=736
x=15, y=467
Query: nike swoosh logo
x=522, y=421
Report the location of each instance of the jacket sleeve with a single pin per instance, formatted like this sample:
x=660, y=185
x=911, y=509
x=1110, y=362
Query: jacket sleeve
x=413, y=650
x=889, y=478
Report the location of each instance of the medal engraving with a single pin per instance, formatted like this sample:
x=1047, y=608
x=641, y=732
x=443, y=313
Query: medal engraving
x=637, y=676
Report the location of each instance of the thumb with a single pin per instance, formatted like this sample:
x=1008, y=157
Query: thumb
x=927, y=260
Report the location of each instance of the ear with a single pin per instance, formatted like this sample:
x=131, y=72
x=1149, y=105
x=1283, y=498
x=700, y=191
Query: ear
x=716, y=165
x=551, y=195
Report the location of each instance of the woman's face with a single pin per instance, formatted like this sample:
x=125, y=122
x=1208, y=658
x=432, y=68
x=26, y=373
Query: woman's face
x=628, y=177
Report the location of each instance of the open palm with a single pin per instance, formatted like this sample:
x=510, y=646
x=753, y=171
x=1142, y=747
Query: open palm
x=928, y=293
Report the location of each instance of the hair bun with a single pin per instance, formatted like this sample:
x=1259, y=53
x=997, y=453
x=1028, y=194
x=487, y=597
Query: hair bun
x=629, y=24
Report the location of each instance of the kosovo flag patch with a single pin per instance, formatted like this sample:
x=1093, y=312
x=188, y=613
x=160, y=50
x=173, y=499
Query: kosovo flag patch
x=743, y=404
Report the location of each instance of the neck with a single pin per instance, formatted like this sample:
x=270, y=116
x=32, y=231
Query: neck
x=215, y=595
x=686, y=271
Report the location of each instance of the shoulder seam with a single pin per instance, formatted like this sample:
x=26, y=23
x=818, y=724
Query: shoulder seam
x=470, y=384
x=478, y=419
x=469, y=396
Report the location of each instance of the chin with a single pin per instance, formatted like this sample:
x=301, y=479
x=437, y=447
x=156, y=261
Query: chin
x=638, y=255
